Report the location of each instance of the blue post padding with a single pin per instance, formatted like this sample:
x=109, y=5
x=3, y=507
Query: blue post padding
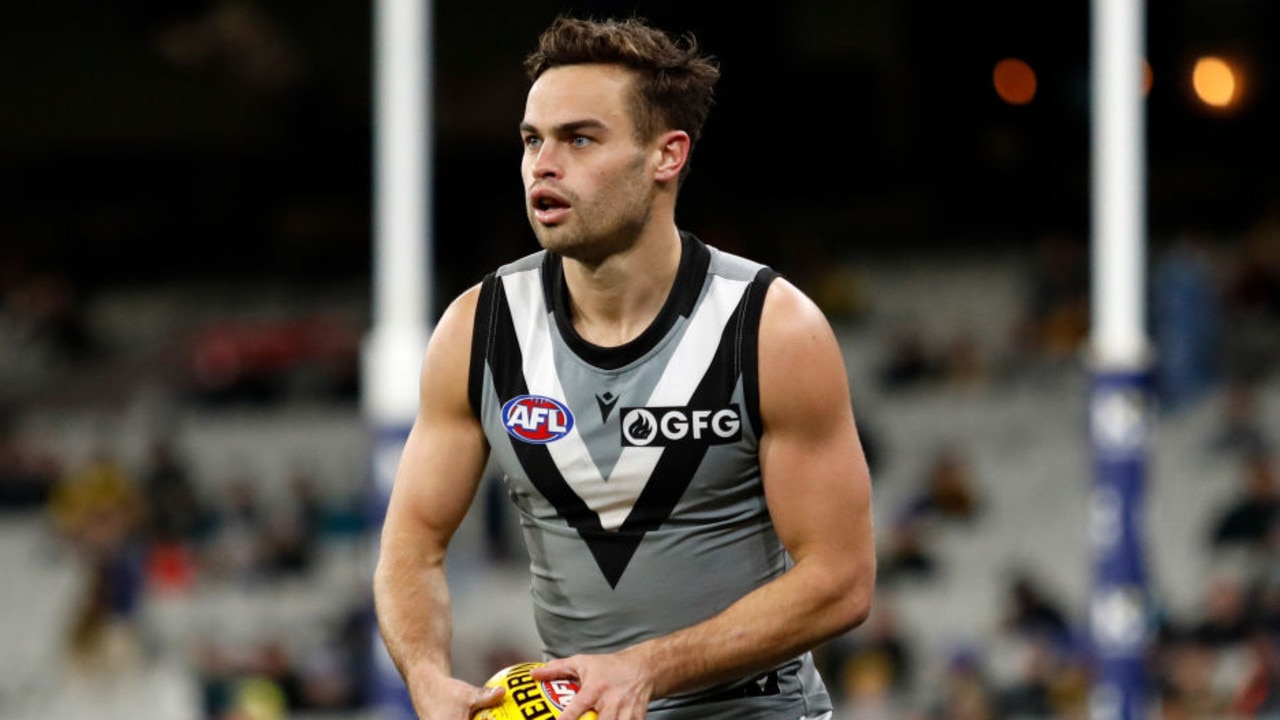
x=388, y=692
x=1120, y=422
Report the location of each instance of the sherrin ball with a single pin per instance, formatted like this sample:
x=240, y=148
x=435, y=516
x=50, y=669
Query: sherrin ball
x=529, y=699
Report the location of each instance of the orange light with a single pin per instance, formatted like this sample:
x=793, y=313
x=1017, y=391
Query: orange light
x=1147, y=78
x=1015, y=81
x=1215, y=82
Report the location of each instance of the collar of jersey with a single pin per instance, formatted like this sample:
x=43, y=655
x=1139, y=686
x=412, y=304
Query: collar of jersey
x=694, y=259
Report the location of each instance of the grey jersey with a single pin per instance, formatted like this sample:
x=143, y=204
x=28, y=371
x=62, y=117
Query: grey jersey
x=635, y=468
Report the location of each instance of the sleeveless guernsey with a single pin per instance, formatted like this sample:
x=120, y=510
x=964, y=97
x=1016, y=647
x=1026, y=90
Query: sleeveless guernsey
x=635, y=468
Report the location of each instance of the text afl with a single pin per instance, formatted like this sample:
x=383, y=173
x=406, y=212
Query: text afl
x=536, y=419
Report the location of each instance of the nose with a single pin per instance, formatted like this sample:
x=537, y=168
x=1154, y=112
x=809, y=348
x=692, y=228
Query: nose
x=546, y=163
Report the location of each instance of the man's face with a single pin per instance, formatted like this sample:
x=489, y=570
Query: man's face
x=588, y=184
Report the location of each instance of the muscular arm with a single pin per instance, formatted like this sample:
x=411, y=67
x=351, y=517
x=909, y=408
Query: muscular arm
x=439, y=472
x=818, y=491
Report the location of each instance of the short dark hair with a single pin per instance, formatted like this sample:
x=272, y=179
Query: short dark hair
x=675, y=83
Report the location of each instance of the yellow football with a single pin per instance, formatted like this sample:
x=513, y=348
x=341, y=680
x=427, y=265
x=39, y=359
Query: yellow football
x=529, y=699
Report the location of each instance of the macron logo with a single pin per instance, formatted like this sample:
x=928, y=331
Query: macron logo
x=606, y=401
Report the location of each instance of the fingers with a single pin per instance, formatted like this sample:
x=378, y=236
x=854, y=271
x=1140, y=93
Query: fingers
x=487, y=697
x=607, y=689
x=580, y=707
x=604, y=710
x=565, y=668
x=555, y=669
x=573, y=712
x=586, y=698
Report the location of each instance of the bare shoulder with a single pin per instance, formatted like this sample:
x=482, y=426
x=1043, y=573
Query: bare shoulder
x=459, y=317
x=446, y=367
x=790, y=313
x=802, y=371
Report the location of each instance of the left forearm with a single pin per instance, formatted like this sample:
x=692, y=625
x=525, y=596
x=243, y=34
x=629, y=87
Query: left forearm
x=807, y=605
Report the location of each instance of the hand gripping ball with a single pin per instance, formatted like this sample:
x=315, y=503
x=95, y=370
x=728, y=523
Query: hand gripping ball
x=529, y=699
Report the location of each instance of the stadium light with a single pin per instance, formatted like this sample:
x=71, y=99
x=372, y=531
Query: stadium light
x=1014, y=81
x=1216, y=82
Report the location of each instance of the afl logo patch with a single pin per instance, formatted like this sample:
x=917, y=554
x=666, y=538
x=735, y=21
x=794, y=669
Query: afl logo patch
x=560, y=692
x=536, y=419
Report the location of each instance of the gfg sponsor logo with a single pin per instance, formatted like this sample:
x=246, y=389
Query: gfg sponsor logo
x=536, y=419
x=666, y=426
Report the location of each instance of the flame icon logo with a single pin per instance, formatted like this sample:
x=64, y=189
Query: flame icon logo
x=639, y=426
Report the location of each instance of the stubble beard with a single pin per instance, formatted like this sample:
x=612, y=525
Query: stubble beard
x=600, y=228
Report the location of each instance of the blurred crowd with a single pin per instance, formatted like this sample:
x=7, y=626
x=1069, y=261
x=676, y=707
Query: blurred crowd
x=44, y=331
x=149, y=530
x=150, y=533
x=1218, y=663
x=1213, y=313
x=1214, y=326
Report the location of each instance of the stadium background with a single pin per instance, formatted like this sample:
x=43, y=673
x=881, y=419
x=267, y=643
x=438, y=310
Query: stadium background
x=185, y=239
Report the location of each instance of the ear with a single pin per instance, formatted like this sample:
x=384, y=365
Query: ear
x=672, y=150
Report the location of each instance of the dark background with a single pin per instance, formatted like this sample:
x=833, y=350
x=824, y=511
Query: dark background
x=160, y=141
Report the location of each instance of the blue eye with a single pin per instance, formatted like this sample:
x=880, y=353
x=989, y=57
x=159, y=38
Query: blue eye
x=580, y=141
x=532, y=142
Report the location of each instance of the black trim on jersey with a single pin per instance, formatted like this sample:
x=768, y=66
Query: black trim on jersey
x=612, y=551
x=759, y=686
x=509, y=382
x=675, y=469
x=694, y=259
x=749, y=344
x=673, y=472
x=481, y=336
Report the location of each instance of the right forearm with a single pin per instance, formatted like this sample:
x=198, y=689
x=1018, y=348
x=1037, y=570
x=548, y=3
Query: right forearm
x=412, y=603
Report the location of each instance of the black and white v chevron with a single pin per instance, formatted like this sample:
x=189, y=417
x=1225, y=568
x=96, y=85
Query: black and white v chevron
x=612, y=514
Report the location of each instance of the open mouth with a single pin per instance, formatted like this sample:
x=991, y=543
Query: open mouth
x=548, y=208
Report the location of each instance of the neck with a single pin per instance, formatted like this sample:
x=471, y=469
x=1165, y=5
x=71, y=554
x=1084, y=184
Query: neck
x=613, y=301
